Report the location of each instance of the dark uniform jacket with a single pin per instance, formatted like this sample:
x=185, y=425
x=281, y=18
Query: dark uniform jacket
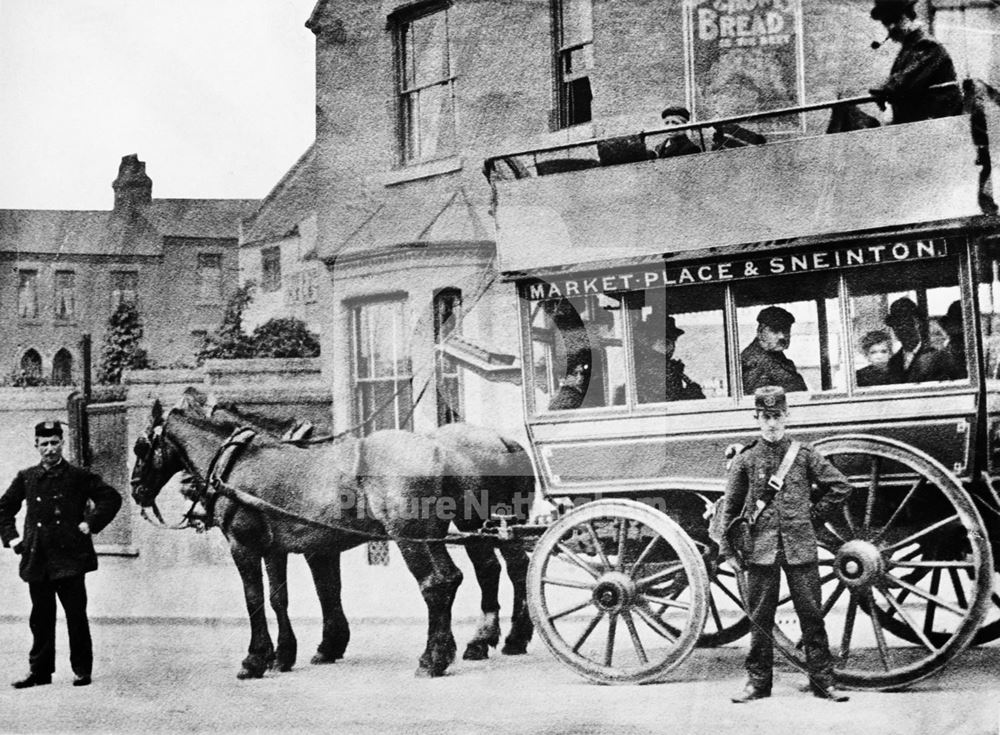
x=921, y=63
x=761, y=367
x=657, y=380
x=789, y=516
x=57, y=502
x=678, y=145
x=927, y=364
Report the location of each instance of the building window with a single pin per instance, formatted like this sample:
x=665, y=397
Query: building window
x=447, y=321
x=574, y=60
x=425, y=85
x=62, y=368
x=312, y=286
x=209, y=278
x=381, y=366
x=27, y=294
x=270, y=269
x=124, y=288
x=31, y=367
x=65, y=291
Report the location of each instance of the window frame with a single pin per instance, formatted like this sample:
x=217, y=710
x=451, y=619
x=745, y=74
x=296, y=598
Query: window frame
x=58, y=289
x=270, y=269
x=407, y=129
x=208, y=294
x=24, y=277
x=447, y=307
x=566, y=111
x=117, y=291
x=401, y=350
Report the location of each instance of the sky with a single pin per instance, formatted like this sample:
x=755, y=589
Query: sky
x=216, y=96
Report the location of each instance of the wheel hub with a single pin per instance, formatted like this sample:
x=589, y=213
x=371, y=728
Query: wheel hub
x=614, y=591
x=858, y=563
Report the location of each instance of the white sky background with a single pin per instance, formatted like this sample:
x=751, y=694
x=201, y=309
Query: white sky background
x=216, y=96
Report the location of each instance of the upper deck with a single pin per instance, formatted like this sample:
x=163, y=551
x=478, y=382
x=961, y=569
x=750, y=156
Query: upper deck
x=550, y=217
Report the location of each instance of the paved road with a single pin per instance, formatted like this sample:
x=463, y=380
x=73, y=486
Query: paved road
x=176, y=678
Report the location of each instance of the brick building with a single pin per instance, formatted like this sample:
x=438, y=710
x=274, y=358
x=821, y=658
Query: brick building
x=64, y=272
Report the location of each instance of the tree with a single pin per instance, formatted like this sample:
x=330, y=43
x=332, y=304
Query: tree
x=230, y=341
x=121, y=345
x=284, y=337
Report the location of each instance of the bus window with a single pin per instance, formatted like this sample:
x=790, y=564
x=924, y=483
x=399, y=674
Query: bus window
x=989, y=306
x=907, y=323
x=790, y=333
x=678, y=344
x=576, y=352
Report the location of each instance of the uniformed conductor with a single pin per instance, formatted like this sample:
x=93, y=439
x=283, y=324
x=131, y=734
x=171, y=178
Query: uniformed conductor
x=57, y=550
x=773, y=477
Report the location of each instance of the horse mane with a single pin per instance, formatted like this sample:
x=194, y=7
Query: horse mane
x=268, y=423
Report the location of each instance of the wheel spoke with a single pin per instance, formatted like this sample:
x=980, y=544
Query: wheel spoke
x=899, y=508
x=570, y=610
x=587, y=631
x=598, y=545
x=714, y=610
x=921, y=533
x=573, y=557
x=609, y=646
x=822, y=580
x=667, y=602
x=870, y=500
x=956, y=583
x=731, y=595
x=927, y=596
x=622, y=538
x=834, y=596
x=556, y=581
x=642, y=557
x=951, y=565
x=883, y=650
x=827, y=526
x=931, y=607
x=661, y=628
x=907, y=620
x=634, y=635
x=845, y=640
x=669, y=571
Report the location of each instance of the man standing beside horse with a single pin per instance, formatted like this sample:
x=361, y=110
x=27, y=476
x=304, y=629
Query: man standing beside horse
x=65, y=506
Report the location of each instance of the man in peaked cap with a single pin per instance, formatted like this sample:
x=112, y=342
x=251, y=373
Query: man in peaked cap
x=658, y=376
x=774, y=477
x=677, y=143
x=916, y=361
x=65, y=506
x=922, y=63
x=763, y=361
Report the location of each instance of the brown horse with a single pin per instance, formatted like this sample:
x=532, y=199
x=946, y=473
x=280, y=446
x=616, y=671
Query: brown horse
x=283, y=498
x=490, y=473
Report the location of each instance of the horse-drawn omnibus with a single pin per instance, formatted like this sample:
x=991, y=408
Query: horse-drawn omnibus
x=641, y=283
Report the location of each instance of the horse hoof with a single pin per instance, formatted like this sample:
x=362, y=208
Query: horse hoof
x=477, y=651
x=245, y=673
x=426, y=673
x=323, y=658
x=514, y=649
x=286, y=666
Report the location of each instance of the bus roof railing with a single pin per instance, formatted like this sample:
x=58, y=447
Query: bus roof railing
x=700, y=126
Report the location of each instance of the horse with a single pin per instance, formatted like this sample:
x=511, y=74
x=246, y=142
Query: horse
x=489, y=472
x=281, y=498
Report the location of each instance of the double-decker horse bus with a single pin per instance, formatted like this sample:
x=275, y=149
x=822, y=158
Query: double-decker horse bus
x=644, y=286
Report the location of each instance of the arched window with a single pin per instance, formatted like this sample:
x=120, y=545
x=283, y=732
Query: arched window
x=62, y=368
x=31, y=364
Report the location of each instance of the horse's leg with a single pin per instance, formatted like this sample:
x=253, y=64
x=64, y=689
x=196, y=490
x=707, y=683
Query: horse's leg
x=439, y=579
x=484, y=561
x=276, y=564
x=325, y=570
x=516, y=559
x=261, y=651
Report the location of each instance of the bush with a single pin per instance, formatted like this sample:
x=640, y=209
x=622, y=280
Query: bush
x=284, y=337
x=24, y=379
x=121, y=345
x=229, y=341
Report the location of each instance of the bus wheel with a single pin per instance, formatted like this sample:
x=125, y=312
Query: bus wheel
x=618, y=592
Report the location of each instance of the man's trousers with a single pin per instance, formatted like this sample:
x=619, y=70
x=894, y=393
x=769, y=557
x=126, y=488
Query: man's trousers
x=72, y=593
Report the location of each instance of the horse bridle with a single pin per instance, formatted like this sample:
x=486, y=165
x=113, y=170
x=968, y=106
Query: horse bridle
x=190, y=519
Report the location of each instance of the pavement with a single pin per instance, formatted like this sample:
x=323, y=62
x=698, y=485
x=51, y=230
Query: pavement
x=180, y=677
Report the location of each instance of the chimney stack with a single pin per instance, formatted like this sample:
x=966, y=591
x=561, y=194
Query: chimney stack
x=133, y=188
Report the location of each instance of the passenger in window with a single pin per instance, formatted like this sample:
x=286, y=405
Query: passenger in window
x=937, y=337
x=952, y=324
x=916, y=361
x=677, y=143
x=659, y=377
x=922, y=63
x=877, y=348
x=763, y=361
x=573, y=387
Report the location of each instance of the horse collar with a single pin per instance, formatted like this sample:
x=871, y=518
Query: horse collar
x=222, y=464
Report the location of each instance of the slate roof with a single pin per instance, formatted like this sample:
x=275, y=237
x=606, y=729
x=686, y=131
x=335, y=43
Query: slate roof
x=292, y=200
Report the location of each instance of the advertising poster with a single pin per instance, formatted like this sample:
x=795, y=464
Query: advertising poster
x=745, y=56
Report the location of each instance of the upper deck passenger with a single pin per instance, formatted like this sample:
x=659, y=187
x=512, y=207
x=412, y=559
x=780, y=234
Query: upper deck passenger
x=763, y=361
x=921, y=63
x=677, y=143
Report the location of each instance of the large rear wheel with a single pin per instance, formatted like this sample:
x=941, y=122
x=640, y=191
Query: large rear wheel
x=618, y=592
x=905, y=567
